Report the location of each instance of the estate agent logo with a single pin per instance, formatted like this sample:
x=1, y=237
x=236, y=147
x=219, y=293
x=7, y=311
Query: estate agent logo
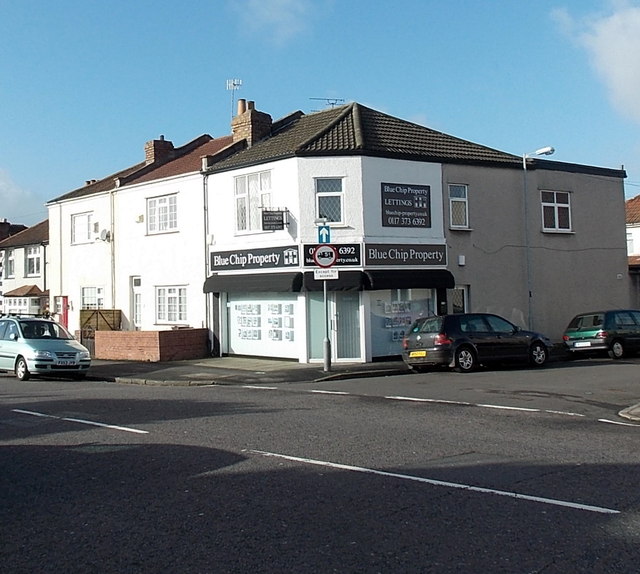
x=414, y=255
x=269, y=258
x=405, y=205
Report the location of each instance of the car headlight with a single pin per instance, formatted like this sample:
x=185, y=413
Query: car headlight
x=43, y=355
x=84, y=355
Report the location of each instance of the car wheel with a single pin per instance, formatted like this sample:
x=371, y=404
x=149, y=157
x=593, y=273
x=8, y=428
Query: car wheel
x=538, y=354
x=465, y=360
x=616, y=351
x=22, y=371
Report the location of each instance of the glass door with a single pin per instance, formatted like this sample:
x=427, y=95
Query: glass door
x=344, y=325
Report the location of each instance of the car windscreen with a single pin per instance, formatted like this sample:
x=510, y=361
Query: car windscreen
x=43, y=330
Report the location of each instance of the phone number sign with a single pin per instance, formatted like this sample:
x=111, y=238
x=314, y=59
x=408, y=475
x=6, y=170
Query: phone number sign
x=348, y=254
x=405, y=205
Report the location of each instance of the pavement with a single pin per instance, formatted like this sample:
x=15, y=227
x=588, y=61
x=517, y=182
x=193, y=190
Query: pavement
x=237, y=370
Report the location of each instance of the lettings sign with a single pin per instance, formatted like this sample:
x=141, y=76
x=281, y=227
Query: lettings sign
x=405, y=205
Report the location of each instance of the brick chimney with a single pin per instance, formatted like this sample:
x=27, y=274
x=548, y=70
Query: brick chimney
x=250, y=124
x=158, y=151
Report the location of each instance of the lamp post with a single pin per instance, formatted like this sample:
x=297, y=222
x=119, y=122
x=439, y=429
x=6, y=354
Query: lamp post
x=548, y=150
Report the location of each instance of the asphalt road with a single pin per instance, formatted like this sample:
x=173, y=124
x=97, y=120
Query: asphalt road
x=419, y=473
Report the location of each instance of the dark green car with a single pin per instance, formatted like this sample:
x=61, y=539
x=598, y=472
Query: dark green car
x=616, y=332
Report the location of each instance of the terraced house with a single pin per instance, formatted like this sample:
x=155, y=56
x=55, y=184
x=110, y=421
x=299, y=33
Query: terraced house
x=344, y=224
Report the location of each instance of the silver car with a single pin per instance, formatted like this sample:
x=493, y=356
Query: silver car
x=40, y=346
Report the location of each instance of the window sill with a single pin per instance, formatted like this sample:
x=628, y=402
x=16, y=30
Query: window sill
x=463, y=229
x=559, y=231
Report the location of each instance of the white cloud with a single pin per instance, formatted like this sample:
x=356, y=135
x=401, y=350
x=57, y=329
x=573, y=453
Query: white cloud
x=612, y=41
x=277, y=21
x=18, y=205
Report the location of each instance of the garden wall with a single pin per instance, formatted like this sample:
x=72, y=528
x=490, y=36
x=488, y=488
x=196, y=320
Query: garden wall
x=152, y=346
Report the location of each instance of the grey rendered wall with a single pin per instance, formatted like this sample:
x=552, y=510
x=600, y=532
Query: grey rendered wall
x=569, y=272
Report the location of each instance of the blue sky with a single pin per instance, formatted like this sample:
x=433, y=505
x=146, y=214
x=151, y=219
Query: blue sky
x=85, y=83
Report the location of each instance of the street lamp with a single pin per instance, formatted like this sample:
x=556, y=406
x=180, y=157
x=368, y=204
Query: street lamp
x=548, y=150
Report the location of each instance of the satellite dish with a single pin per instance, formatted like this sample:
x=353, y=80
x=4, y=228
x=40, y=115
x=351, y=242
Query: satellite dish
x=104, y=235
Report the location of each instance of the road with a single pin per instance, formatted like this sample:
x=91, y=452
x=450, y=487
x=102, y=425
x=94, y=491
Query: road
x=418, y=473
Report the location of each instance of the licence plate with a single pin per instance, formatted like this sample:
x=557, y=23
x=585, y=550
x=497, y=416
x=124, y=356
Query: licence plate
x=414, y=354
x=65, y=363
x=582, y=344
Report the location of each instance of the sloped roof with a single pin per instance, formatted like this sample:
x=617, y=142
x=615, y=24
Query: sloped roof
x=632, y=210
x=186, y=159
x=355, y=129
x=36, y=234
x=25, y=291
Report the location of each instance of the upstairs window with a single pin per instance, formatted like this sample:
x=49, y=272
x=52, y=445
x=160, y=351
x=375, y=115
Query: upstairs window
x=162, y=214
x=32, y=260
x=458, y=207
x=556, y=210
x=81, y=228
x=329, y=199
x=252, y=192
x=9, y=264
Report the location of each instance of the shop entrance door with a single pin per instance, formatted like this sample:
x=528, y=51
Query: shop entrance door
x=344, y=325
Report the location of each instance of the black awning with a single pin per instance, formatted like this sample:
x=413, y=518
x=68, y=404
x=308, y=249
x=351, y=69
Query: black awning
x=379, y=280
x=346, y=281
x=267, y=282
x=410, y=279
x=376, y=280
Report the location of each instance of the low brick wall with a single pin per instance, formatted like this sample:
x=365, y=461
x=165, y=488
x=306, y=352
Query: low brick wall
x=152, y=346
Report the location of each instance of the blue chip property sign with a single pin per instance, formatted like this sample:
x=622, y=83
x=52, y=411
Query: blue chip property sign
x=270, y=258
x=406, y=205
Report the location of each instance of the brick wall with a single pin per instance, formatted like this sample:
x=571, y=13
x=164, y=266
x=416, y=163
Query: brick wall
x=152, y=346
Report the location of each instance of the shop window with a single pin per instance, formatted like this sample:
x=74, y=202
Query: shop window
x=252, y=194
x=329, y=199
x=556, y=210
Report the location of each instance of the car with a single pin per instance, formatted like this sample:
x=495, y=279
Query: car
x=465, y=341
x=614, y=331
x=40, y=346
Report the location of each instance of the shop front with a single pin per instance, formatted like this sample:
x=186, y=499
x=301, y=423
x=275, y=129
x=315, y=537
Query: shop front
x=287, y=314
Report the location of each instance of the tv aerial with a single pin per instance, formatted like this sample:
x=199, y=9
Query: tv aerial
x=330, y=102
x=232, y=86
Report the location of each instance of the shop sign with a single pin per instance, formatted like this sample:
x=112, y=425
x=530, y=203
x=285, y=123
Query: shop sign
x=273, y=220
x=405, y=205
x=414, y=255
x=348, y=254
x=267, y=258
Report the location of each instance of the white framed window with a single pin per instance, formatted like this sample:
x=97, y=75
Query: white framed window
x=556, y=210
x=32, y=260
x=81, y=228
x=329, y=199
x=10, y=264
x=458, y=206
x=92, y=298
x=252, y=192
x=171, y=304
x=162, y=214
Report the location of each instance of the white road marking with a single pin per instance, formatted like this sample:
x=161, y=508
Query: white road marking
x=518, y=496
x=617, y=423
x=81, y=421
x=446, y=402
